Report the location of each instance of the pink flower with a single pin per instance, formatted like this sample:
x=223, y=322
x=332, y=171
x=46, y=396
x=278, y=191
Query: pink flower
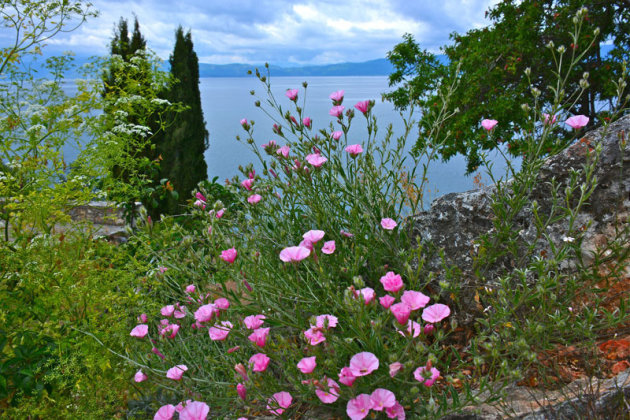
x=140, y=376
x=337, y=111
x=549, y=119
x=233, y=349
x=247, y=184
x=220, y=213
x=292, y=94
x=140, y=331
x=354, y=149
x=435, y=313
x=426, y=376
x=143, y=318
x=386, y=301
x=388, y=223
x=314, y=236
x=259, y=336
x=167, y=310
x=229, y=255
x=244, y=122
x=197, y=203
x=176, y=373
x=241, y=370
x=259, y=362
x=358, y=408
x=205, y=312
x=363, y=363
x=330, y=396
x=346, y=234
x=329, y=247
x=346, y=376
x=413, y=329
x=254, y=322
x=577, y=121
x=306, y=244
x=316, y=159
x=294, y=253
x=190, y=288
x=253, y=199
x=314, y=336
x=165, y=412
x=363, y=106
x=172, y=328
x=307, y=364
x=195, y=410
x=396, y=412
x=415, y=300
x=382, y=399
x=401, y=311
x=368, y=294
x=284, y=151
x=221, y=332
x=307, y=122
x=337, y=97
x=279, y=402
x=489, y=124
x=428, y=329
x=180, y=311
x=270, y=145
x=326, y=321
x=157, y=353
x=242, y=391
x=394, y=368
x=336, y=135
x=222, y=303
x=392, y=282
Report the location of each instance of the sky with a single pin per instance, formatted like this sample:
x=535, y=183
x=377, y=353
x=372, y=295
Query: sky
x=282, y=32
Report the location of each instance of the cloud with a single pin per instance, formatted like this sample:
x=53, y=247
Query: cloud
x=280, y=31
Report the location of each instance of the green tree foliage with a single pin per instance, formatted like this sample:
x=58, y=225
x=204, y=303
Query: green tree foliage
x=489, y=65
x=134, y=115
x=37, y=119
x=186, y=139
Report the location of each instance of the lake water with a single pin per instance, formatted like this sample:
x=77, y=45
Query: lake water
x=226, y=101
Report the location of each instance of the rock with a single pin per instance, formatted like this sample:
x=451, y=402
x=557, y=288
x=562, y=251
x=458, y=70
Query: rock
x=455, y=222
x=583, y=398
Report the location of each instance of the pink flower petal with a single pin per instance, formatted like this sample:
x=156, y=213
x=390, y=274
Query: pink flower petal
x=435, y=313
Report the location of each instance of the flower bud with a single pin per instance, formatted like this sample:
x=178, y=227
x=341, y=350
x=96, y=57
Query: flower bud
x=525, y=107
x=596, y=31
x=528, y=71
x=561, y=49
x=358, y=282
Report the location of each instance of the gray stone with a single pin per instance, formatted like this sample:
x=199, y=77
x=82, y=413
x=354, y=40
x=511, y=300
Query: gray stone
x=455, y=222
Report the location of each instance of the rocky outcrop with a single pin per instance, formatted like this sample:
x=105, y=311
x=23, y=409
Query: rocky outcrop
x=584, y=398
x=455, y=222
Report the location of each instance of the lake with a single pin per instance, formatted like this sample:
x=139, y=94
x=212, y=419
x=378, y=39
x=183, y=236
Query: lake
x=226, y=101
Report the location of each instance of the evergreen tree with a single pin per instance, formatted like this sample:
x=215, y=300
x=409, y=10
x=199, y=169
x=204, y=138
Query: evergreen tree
x=186, y=139
x=130, y=73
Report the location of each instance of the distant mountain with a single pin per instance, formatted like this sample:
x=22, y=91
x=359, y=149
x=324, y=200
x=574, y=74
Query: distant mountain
x=379, y=67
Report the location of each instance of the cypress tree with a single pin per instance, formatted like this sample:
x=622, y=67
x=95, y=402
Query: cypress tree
x=132, y=48
x=186, y=139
